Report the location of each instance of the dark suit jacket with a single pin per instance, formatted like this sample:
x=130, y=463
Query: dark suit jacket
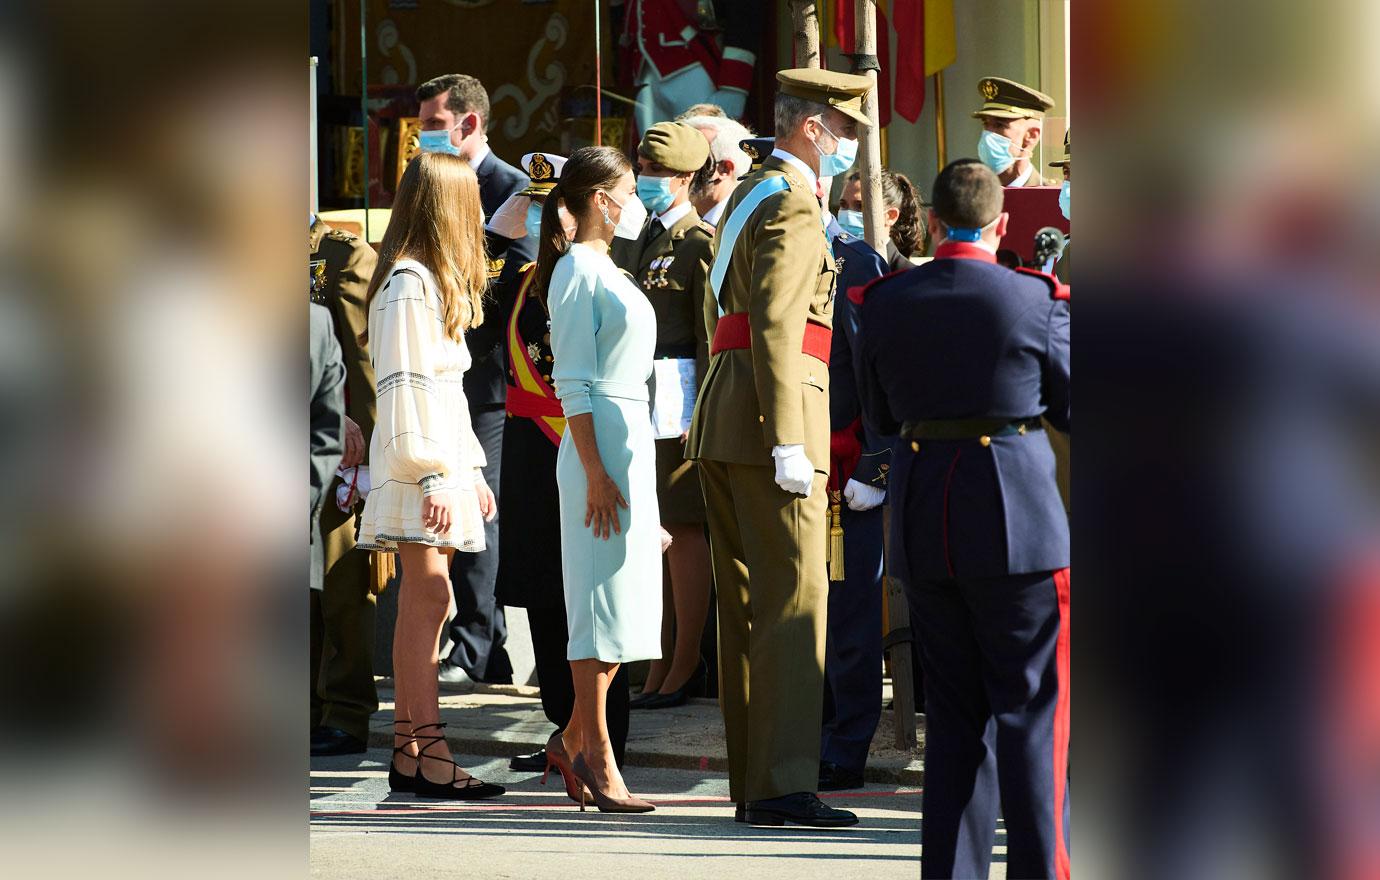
x=327, y=383
x=858, y=264
x=965, y=338
x=484, y=381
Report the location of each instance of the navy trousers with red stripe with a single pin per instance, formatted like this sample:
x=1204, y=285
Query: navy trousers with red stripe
x=996, y=723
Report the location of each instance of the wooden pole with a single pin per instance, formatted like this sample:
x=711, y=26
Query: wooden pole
x=806, y=33
x=941, y=144
x=874, y=230
x=598, y=78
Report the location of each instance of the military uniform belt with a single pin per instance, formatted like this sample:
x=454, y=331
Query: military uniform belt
x=968, y=429
x=733, y=332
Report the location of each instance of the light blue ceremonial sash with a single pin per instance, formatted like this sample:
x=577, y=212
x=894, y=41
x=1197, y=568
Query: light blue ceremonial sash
x=767, y=187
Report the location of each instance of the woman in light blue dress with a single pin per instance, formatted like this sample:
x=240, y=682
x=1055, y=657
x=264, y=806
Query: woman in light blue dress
x=603, y=333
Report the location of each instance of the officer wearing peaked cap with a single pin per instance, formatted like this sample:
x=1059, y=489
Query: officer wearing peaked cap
x=1061, y=268
x=761, y=436
x=1012, y=118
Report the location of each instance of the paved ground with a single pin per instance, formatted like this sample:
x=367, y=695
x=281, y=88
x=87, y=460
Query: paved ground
x=505, y=720
x=360, y=830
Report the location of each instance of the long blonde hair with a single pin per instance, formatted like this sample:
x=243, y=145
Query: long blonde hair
x=437, y=221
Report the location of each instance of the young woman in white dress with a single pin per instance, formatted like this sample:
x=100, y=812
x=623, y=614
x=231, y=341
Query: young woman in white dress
x=428, y=498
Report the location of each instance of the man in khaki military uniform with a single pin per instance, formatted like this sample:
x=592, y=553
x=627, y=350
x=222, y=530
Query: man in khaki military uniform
x=761, y=436
x=1012, y=118
x=342, y=613
x=670, y=262
x=1061, y=268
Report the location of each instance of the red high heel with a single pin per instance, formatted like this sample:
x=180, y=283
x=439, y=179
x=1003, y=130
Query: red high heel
x=557, y=757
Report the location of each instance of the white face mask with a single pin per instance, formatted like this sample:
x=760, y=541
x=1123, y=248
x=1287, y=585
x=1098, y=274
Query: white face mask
x=630, y=221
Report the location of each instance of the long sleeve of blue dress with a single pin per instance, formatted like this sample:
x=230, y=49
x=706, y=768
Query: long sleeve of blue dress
x=574, y=322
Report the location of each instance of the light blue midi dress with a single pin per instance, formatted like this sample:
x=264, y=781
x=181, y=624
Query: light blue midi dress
x=603, y=334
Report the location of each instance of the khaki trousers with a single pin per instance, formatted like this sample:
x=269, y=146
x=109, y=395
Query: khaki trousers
x=768, y=548
x=343, y=695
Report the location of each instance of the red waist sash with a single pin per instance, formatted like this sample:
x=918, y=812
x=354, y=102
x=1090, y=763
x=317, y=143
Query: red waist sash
x=733, y=332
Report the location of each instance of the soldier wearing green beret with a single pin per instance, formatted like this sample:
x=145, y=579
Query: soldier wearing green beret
x=761, y=436
x=1012, y=118
x=343, y=696
x=670, y=262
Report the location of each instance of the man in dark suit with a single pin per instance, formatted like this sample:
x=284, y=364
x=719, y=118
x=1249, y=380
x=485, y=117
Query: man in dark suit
x=962, y=357
x=458, y=105
x=860, y=460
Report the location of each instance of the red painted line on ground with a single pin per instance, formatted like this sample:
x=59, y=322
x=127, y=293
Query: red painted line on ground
x=499, y=806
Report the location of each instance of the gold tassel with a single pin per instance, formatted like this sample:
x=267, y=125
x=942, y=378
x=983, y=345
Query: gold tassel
x=835, y=554
x=384, y=566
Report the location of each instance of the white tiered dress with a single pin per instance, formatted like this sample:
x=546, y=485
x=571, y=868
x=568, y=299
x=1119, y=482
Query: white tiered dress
x=423, y=441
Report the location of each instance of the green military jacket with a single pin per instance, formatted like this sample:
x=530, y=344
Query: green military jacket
x=348, y=262
x=781, y=274
x=673, y=271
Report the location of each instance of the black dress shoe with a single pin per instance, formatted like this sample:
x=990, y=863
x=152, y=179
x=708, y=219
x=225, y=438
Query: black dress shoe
x=738, y=813
x=336, y=742
x=802, y=808
x=666, y=701
x=533, y=763
x=641, y=700
x=832, y=777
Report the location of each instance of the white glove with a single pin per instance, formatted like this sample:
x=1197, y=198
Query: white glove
x=861, y=496
x=794, y=473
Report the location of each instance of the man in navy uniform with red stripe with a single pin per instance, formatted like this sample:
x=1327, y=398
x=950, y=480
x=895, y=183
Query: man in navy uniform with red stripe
x=962, y=357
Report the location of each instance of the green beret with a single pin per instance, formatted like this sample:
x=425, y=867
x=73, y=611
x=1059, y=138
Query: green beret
x=675, y=146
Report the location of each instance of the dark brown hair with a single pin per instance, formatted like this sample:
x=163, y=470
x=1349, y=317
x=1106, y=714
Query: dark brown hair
x=588, y=170
x=967, y=195
x=907, y=233
x=467, y=95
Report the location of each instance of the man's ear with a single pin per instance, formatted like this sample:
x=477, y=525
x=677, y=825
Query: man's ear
x=935, y=227
x=470, y=124
x=1000, y=228
x=1032, y=135
x=725, y=168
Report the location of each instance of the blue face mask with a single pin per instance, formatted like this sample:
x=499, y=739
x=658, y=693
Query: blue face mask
x=437, y=142
x=655, y=193
x=533, y=222
x=994, y=151
x=851, y=222
x=1064, y=200
x=838, y=162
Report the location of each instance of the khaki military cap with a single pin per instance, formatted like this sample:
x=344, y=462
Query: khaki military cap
x=675, y=146
x=842, y=91
x=543, y=169
x=1068, y=155
x=757, y=150
x=1008, y=99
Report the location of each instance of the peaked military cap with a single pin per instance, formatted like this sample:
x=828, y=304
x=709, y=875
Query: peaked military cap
x=1008, y=99
x=842, y=91
x=1068, y=156
x=543, y=169
x=757, y=150
x=675, y=145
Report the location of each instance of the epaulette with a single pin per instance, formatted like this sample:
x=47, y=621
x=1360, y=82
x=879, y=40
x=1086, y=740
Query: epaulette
x=856, y=295
x=342, y=235
x=526, y=267
x=1057, y=288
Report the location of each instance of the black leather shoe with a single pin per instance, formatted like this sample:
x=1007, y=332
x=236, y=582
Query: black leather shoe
x=832, y=777
x=802, y=808
x=533, y=763
x=336, y=742
x=738, y=813
x=640, y=701
x=666, y=701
